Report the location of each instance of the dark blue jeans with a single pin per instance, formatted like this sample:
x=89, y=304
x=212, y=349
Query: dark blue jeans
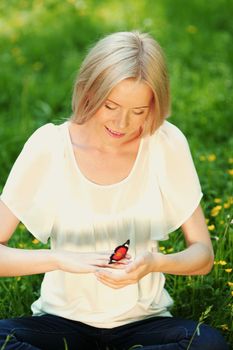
x=49, y=332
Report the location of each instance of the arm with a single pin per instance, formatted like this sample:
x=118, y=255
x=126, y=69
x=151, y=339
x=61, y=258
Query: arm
x=196, y=259
x=19, y=262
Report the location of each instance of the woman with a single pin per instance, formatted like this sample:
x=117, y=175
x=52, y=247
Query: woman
x=115, y=172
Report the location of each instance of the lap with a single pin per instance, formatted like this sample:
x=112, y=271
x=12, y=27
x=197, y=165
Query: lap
x=169, y=333
x=44, y=332
x=157, y=333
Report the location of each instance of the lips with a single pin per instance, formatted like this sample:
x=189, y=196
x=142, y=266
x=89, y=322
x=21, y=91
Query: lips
x=114, y=133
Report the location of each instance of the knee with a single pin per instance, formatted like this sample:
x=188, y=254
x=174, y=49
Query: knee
x=6, y=332
x=208, y=338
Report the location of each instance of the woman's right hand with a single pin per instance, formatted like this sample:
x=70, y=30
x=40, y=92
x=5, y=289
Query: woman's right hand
x=76, y=262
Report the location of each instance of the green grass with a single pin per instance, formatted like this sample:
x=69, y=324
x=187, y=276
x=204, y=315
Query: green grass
x=42, y=44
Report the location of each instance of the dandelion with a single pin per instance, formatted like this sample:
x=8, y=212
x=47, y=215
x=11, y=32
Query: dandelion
x=230, y=171
x=16, y=51
x=21, y=60
x=170, y=250
x=37, y=66
x=21, y=227
x=191, y=29
x=217, y=200
x=224, y=327
x=162, y=248
x=220, y=262
x=35, y=241
x=211, y=157
x=230, y=284
x=215, y=211
x=211, y=227
x=228, y=270
x=226, y=205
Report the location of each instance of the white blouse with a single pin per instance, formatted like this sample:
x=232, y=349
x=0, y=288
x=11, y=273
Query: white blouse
x=49, y=194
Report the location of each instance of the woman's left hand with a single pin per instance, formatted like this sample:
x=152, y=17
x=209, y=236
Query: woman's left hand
x=132, y=273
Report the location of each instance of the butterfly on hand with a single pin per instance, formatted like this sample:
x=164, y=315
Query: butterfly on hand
x=119, y=252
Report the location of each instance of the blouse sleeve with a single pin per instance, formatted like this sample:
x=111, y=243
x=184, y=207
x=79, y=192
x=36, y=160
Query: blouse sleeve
x=177, y=177
x=29, y=191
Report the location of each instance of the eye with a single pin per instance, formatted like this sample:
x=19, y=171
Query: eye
x=138, y=113
x=110, y=107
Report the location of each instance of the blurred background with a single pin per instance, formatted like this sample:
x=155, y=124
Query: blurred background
x=42, y=43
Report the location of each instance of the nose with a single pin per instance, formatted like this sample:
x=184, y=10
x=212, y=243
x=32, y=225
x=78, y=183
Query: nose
x=122, y=120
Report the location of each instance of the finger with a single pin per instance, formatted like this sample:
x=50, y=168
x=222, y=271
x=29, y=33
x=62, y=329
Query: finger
x=132, y=267
x=135, y=264
x=113, y=285
x=118, y=280
x=119, y=264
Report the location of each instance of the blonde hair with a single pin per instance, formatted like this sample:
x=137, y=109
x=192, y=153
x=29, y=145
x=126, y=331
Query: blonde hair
x=116, y=57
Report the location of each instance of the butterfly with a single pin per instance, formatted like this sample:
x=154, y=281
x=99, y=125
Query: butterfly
x=119, y=252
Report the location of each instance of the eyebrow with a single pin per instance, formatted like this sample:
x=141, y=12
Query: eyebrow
x=132, y=107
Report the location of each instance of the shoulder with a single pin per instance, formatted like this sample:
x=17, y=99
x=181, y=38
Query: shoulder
x=45, y=138
x=171, y=132
x=44, y=132
x=168, y=135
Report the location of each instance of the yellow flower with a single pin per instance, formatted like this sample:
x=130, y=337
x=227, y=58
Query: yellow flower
x=16, y=51
x=228, y=270
x=222, y=262
x=35, y=241
x=224, y=327
x=211, y=157
x=191, y=29
x=21, y=227
x=215, y=211
x=217, y=200
x=230, y=171
x=162, y=248
x=20, y=60
x=211, y=227
x=37, y=66
x=226, y=205
x=170, y=250
x=230, y=284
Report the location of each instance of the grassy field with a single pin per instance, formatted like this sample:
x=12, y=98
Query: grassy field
x=41, y=46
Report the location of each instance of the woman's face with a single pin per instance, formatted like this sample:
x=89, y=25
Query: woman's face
x=122, y=115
